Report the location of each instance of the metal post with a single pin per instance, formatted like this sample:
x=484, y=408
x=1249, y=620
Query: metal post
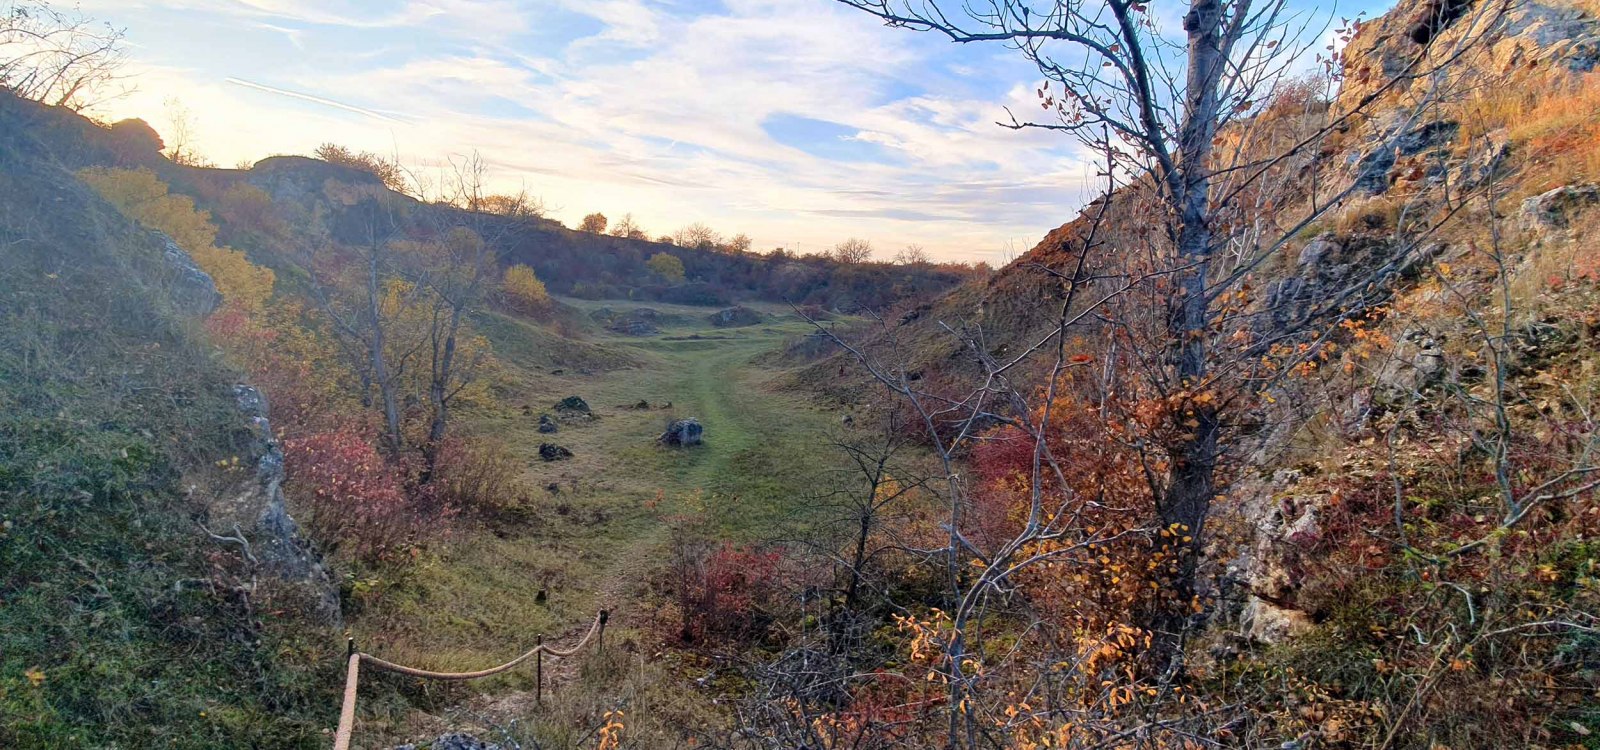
x=604, y=615
x=538, y=673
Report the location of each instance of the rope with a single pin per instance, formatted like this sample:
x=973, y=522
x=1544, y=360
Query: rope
x=347, y=713
x=430, y=675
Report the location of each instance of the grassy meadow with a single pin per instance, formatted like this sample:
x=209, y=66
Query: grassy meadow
x=593, y=530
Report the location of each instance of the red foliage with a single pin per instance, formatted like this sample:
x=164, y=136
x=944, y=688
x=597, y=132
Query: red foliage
x=359, y=502
x=725, y=594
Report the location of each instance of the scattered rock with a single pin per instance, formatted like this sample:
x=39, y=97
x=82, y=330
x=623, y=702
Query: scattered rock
x=573, y=405
x=553, y=452
x=1554, y=209
x=682, y=433
x=642, y=404
x=452, y=741
x=548, y=425
x=736, y=316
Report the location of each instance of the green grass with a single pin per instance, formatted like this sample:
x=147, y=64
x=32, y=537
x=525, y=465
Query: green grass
x=603, y=533
x=120, y=625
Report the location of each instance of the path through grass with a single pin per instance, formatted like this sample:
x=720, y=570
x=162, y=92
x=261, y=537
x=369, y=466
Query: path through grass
x=596, y=529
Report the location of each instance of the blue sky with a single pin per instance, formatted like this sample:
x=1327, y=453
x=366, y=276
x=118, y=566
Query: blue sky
x=798, y=122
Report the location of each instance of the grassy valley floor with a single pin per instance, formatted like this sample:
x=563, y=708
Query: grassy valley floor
x=595, y=528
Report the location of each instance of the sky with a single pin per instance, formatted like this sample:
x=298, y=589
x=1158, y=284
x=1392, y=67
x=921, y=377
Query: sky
x=798, y=122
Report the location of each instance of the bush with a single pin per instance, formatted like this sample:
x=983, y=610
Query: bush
x=723, y=594
x=360, y=505
x=477, y=475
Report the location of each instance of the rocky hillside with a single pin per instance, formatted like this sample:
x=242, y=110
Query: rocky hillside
x=1418, y=484
x=156, y=591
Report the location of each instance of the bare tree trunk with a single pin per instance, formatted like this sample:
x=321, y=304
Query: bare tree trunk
x=381, y=375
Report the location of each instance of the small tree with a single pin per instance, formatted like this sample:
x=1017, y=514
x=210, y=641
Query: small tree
x=913, y=255
x=594, y=223
x=739, y=243
x=629, y=229
x=387, y=171
x=852, y=251
x=519, y=206
x=667, y=266
x=55, y=58
x=697, y=236
x=524, y=288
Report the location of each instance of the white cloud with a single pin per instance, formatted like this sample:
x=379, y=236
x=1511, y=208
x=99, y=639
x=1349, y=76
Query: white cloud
x=660, y=115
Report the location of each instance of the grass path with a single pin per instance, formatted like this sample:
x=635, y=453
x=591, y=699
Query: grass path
x=596, y=531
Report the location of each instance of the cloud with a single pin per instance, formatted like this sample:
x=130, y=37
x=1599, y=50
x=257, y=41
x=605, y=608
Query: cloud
x=661, y=109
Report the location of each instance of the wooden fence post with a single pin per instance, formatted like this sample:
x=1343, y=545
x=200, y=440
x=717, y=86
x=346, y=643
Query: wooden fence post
x=604, y=615
x=538, y=674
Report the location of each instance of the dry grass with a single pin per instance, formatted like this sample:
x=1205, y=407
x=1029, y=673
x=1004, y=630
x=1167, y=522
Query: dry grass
x=1548, y=116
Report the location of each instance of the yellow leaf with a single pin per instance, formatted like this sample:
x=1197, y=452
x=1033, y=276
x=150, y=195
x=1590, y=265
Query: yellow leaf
x=35, y=677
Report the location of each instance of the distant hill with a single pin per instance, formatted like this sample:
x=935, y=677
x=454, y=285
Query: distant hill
x=571, y=262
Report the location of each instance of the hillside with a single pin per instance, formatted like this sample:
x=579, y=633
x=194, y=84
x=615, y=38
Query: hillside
x=1369, y=464
x=123, y=447
x=1290, y=439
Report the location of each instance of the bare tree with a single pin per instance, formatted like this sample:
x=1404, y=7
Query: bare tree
x=58, y=58
x=180, y=135
x=852, y=251
x=1157, y=270
x=628, y=228
x=739, y=243
x=697, y=236
x=912, y=255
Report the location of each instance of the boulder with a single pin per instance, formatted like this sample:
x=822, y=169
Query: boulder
x=548, y=425
x=682, y=433
x=1265, y=622
x=736, y=316
x=1554, y=209
x=634, y=327
x=553, y=452
x=572, y=405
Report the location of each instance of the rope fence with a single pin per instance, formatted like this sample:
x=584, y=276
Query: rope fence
x=347, y=712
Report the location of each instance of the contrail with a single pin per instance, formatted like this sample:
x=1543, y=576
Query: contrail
x=315, y=100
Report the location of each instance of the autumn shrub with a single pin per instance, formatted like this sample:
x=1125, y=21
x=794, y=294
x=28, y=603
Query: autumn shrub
x=360, y=504
x=523, y=289
x=140, y=195
x=723, y=593
x=477, y=475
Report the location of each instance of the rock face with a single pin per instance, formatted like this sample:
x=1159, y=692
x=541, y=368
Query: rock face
x=256, y=509
x=192, y=290
x=682, y=433
x=553, y=452
x=735, y=317
x=1534, y=33
x=1375, y=170
x=1553, y=210
x=547, y=424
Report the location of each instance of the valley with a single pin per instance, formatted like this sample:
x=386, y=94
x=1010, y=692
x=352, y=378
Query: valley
x=596, y=529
